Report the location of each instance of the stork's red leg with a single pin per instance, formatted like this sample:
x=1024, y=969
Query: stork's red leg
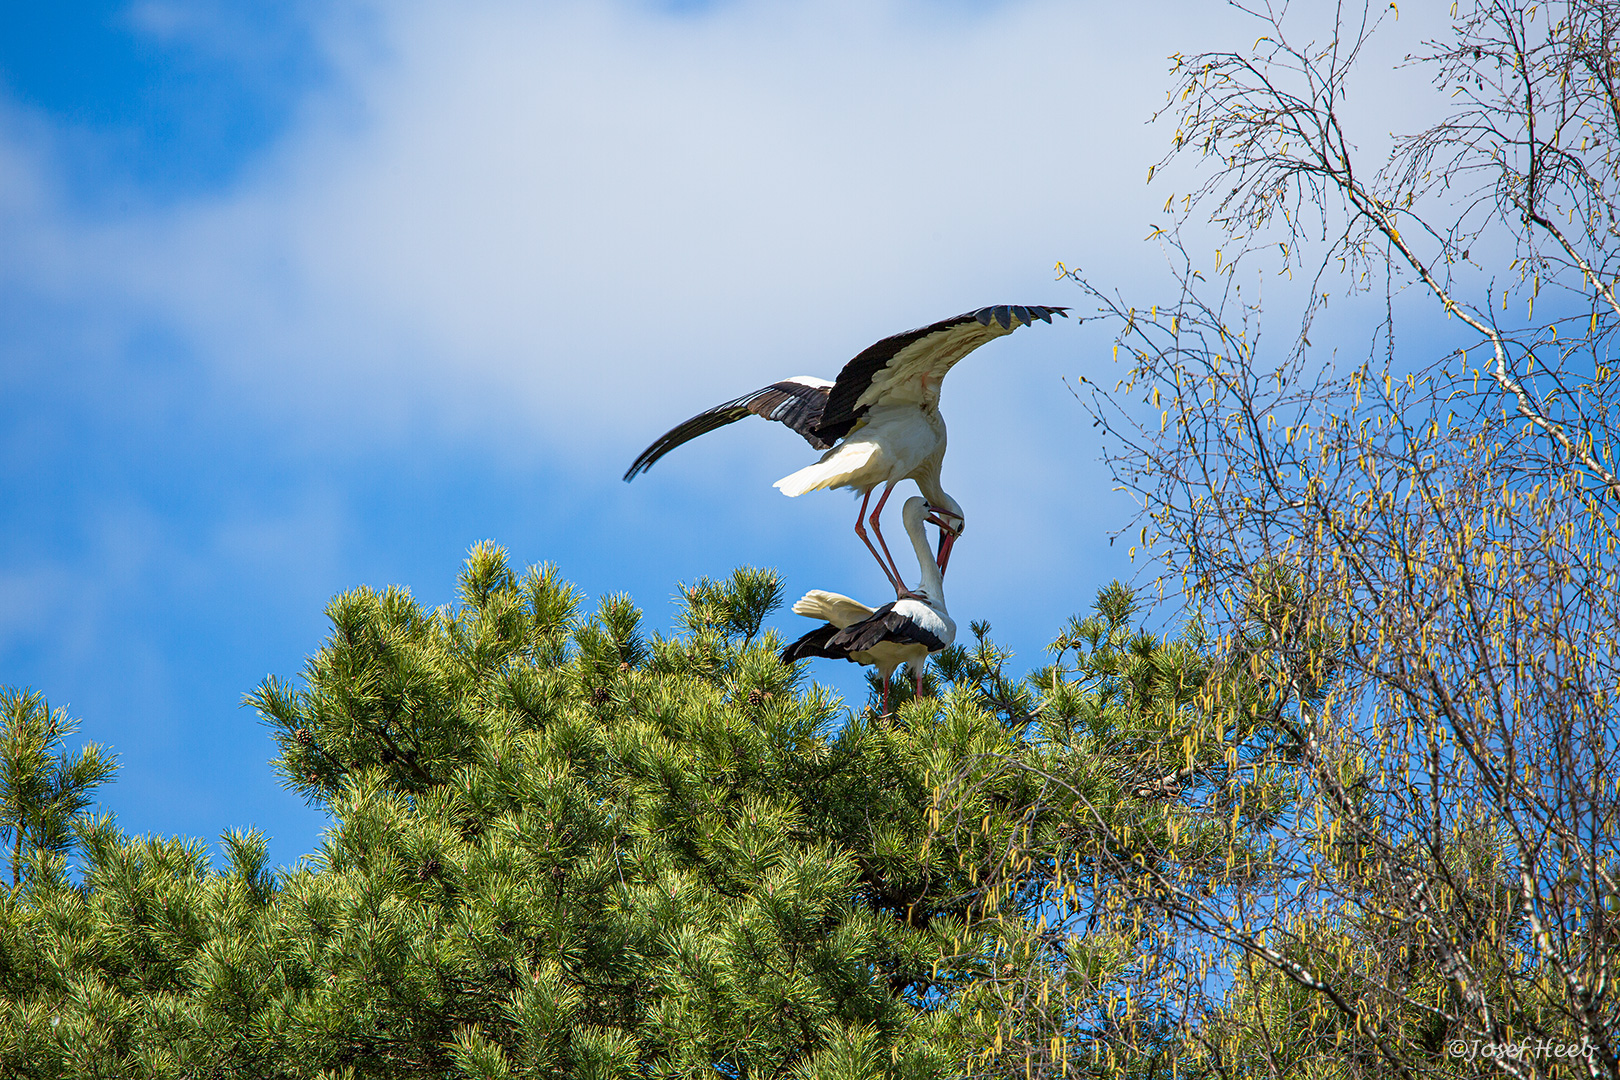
x=890, y=568
x=860, y=531
x=885, y=696
x=919, y=682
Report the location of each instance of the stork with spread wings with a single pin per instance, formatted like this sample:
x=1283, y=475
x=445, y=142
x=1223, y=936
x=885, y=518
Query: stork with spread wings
x=878, y=422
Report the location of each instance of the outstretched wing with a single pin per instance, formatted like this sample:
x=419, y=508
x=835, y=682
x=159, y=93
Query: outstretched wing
x=796, y=402
x=908, y=367
x=884, y=624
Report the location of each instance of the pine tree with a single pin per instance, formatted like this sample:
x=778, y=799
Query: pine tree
x=563, y=845
x=43, y=791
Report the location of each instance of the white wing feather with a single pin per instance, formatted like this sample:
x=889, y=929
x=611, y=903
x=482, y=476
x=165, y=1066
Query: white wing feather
x=832, y=607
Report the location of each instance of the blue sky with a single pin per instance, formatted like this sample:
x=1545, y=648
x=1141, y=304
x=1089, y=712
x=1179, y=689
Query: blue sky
x=297, y=297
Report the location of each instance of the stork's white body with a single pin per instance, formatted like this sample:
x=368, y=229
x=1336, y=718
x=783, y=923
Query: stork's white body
x=886, y=656
x=900, y=441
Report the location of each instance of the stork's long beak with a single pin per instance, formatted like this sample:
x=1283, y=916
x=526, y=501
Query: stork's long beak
x=947, y=540
x=947, y=534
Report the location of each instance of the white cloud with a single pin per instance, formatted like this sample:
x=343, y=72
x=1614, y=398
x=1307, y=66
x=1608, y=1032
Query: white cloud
x=558, y=229
x=567, y=205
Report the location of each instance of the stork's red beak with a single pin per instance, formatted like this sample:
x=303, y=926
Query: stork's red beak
x=947, y=534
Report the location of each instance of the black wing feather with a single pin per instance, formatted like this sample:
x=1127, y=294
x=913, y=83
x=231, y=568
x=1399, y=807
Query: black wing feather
x=840, y=413
x=796, y=404
x=884, y=624
x=815, y=644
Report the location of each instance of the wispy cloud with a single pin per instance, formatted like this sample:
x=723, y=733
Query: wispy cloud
x=549, y=209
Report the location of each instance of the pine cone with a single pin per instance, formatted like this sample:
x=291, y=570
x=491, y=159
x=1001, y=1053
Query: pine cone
x=756, y=697
x=428, y=869
x=303, y=736
x=599, y=695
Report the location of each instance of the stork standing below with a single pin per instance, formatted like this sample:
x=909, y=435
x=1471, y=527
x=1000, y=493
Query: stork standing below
x=908, y=630
x=884, y=406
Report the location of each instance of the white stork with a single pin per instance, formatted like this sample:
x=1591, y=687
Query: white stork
x=884, y=406
x=908, y=630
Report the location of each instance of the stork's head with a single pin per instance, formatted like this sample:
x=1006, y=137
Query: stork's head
x=946, y=512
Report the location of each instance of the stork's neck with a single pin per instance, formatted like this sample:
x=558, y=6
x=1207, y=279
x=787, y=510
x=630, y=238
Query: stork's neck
x=927, y=478
x=933, y=582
